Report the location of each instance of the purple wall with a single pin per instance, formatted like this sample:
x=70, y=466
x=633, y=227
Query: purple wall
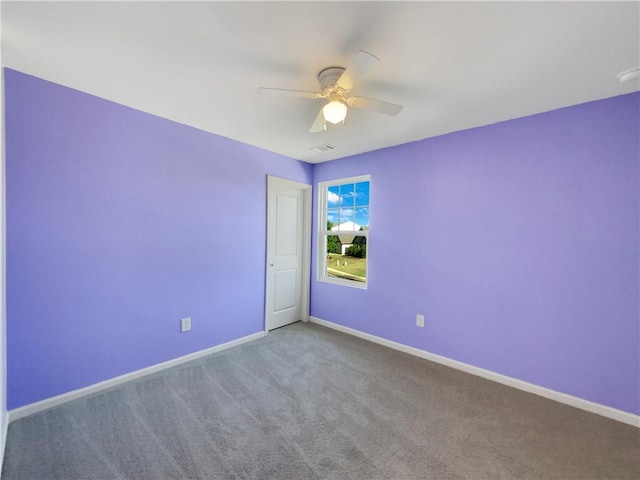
x=119, y=223
x=518, y=241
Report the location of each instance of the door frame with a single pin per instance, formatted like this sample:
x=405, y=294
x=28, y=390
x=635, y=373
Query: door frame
x=307, y=198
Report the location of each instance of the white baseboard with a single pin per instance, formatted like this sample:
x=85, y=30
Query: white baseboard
x=112, y=382
x=3, y=437
x=605, y=411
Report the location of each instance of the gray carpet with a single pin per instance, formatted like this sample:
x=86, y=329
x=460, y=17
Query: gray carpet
x=306, y=402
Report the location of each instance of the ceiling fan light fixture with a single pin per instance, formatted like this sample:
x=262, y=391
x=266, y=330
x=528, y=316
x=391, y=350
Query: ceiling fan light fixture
x=334, y=111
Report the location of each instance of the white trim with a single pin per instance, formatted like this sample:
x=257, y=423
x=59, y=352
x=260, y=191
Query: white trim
x=322, y=233
x=343, y=281
x=605, y=411
x=47, y=403
x=4, y=418
x=3, y=436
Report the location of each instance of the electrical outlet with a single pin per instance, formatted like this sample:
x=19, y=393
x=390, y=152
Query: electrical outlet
x=420, y=320
x=185, y=324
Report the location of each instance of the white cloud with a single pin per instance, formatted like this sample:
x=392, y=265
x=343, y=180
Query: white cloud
x=333, y=197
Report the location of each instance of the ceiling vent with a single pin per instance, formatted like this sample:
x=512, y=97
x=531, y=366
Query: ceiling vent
x=325, y=147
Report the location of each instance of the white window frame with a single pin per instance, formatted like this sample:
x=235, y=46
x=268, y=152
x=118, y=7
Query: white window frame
x=323, y=233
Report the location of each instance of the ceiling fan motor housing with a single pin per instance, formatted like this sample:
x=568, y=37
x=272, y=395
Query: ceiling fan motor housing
x=329, y=77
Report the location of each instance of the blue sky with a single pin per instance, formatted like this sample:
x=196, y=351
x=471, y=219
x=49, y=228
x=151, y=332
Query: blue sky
x=349, y=203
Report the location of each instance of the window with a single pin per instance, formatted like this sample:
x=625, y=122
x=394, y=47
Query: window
x=343, y=231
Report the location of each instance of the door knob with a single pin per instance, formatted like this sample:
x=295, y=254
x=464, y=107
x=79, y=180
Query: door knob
x=271, y=264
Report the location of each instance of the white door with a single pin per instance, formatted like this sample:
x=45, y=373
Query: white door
x=288, y=237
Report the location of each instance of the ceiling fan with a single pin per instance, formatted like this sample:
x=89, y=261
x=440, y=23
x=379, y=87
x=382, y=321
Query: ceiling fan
x=335, y=85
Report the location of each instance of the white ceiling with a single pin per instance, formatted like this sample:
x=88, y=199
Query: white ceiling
x=453, y=65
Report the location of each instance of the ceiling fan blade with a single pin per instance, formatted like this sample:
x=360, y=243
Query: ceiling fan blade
x=360, y=67
x=379, y=106
x=265, y=91
x=318, y=124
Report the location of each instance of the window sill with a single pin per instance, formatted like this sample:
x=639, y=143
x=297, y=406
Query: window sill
x=343, y=282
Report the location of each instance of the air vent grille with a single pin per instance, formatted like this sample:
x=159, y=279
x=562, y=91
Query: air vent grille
x=325, y=147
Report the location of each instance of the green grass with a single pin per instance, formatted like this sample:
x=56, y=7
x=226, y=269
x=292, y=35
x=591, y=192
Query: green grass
x=354, y=266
